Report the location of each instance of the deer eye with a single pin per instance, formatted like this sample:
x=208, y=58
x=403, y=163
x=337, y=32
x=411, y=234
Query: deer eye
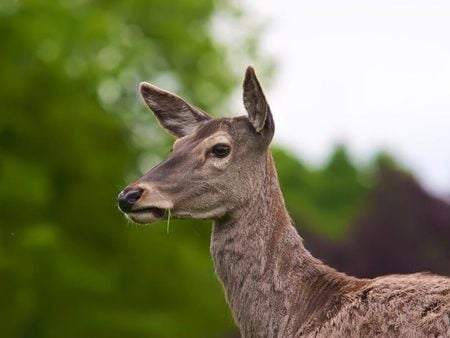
x=221, y=150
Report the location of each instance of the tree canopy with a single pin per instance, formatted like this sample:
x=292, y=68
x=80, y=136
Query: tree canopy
x=72, y=134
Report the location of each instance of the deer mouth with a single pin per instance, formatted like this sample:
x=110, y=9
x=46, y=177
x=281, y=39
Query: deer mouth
x=147, y=214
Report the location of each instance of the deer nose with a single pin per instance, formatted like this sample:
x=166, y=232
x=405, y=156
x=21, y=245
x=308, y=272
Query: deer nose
x=127, y=198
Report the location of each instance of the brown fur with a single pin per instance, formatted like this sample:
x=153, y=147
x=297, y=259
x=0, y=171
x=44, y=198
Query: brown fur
x=273, y=284
x=277, y=289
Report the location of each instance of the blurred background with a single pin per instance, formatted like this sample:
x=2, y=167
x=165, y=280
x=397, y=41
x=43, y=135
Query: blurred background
x=73, y=133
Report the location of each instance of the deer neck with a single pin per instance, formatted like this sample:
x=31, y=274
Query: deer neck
x=266, y=272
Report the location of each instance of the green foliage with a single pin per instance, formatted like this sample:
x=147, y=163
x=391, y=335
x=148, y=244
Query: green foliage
x=324, y=200
x=72, y=133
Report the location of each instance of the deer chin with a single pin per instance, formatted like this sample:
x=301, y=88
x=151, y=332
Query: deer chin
x=147, y=215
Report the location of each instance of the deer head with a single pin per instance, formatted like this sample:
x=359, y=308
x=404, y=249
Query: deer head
x=215, y=163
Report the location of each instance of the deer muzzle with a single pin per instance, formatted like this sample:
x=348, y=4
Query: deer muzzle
x=143, y=205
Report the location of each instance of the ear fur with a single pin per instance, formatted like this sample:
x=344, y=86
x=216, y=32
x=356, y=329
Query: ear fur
x=255, y=102
x=173, y=113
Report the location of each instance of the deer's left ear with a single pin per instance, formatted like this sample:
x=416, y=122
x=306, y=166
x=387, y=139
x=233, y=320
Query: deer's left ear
x=173, y=113
x=256, y=105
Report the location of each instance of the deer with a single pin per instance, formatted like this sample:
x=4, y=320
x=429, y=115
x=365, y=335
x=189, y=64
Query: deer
x=221, y=169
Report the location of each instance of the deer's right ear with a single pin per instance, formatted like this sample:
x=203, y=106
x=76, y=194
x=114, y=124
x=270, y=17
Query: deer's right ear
x=256, y=105
x=172, y=112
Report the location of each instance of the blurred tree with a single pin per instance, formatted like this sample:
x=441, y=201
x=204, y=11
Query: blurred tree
x=71, y=130
x=402, y=229
x=382, y=220
x=324, y=200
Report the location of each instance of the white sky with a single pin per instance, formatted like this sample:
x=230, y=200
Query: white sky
x=370, y=74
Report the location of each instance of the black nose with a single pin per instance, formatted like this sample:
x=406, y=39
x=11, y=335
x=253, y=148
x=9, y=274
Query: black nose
x=128, y=198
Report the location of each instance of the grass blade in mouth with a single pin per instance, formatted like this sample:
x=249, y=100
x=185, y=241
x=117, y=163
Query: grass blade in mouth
x=169, y=215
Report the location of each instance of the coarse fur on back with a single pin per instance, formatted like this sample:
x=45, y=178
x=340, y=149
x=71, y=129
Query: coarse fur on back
x=222, y=169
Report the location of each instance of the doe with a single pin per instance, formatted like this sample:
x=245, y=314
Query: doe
x=222, y=169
